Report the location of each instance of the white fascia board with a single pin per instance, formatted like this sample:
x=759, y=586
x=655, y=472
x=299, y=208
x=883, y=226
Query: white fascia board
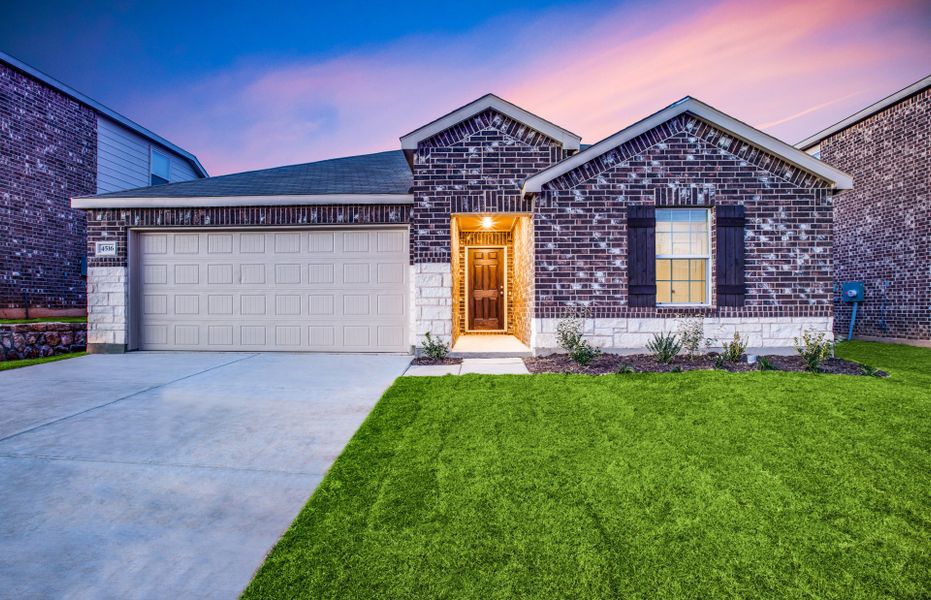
x=569, y=140
x=867, y=112
x=736, y=128
x=214, y=201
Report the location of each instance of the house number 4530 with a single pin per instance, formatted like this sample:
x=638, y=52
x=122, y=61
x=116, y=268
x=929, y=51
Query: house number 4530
x=105, y=249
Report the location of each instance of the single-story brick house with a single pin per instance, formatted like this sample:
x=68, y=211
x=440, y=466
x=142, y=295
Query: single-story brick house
x=55, y=144
x=486, y=226
x=882, y=228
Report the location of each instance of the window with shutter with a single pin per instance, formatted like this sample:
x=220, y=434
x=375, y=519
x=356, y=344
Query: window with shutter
x=683, y=256
x=731, y=285
x=641, y=256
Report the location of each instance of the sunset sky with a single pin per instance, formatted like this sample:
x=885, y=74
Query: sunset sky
x=273, y=84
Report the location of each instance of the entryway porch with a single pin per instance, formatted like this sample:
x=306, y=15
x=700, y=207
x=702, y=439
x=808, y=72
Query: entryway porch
x=492, y=284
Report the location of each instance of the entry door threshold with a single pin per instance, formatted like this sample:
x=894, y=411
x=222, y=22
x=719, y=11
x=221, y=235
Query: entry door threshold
x=489, y=346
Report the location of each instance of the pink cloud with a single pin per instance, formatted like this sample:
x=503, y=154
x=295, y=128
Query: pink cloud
x=791, y=68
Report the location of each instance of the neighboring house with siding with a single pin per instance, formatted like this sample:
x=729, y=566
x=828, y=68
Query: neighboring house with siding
x=882, y=228
x=56, y=143
x=486, y=226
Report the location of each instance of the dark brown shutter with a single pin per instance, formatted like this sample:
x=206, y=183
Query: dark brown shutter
x=641, y=256
x=731, y=287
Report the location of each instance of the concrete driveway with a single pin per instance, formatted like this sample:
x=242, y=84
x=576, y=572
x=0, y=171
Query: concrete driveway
x=167, y=475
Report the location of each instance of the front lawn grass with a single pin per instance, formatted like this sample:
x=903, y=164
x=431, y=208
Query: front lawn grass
x=44, y=320
x=6, y=365
x=683, y=485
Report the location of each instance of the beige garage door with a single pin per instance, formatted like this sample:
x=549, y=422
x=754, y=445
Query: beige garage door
x=307, y=290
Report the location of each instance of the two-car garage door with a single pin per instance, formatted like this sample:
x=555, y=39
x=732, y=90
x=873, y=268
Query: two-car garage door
x=286, y=290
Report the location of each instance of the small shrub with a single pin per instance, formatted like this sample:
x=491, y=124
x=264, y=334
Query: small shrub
x=813, y=349
x=676, y=369
x=434, y=348
x=734, y=349
x=625, y=369
x=692, y=333
x=764, y=364
x=569, y=335
x=569, y=330
x=584, y=353
x=869, y=371
x=718, y=362
x=664, y=347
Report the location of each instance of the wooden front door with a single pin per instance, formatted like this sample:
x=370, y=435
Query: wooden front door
x=486, y=288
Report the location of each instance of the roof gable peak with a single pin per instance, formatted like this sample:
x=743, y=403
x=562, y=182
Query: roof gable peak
x=688, y=104
x=566, y=138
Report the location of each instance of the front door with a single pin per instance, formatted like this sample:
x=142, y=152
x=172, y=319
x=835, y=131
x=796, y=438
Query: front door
x=486, y=289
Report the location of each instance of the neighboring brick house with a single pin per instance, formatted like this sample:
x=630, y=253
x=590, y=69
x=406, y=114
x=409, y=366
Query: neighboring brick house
x=882, y=228
x=486, y=227
x=56, y=143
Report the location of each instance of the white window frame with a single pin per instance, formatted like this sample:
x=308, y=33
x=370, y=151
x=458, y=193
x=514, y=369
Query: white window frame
x=152, y=152
x=706, y=257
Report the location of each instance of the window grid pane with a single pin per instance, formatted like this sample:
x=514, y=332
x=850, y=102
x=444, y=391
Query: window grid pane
x=682, y=233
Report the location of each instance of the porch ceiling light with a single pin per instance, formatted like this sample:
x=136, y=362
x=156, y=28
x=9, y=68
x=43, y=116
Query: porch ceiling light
x=486, y=223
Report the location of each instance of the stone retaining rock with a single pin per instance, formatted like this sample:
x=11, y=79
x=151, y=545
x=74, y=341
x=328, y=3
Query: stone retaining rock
x=34, y=340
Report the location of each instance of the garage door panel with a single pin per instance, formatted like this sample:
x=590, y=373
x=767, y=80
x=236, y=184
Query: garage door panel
x=321, y=290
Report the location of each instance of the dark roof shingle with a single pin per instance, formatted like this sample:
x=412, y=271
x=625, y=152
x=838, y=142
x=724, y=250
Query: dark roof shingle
x=378, y=173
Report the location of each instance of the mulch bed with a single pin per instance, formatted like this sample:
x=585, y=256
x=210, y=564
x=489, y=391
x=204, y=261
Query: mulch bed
x=424, y=360
x=645, y=363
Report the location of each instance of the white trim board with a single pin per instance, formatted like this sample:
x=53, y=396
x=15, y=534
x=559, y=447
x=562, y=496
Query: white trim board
x=688, y=104
x=569, y=140
x=214, y=201
x=865, y=113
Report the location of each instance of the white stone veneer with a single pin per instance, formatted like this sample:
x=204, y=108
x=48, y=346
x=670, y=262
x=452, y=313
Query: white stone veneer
x=772, y=333
x=432, y=301
x=107, y=293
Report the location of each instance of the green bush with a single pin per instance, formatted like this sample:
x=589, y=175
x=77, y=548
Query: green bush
x=569, y=330
x=569, y=335
x=434, y=348
x=691, y=331
x=869, y=371
x=625, y=369
x=584, y=353
x=814, y=350
x=734, y=350
x=763, y=364
x=664, y=347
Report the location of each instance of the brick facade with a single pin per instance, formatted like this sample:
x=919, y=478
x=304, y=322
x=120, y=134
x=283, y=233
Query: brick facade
x=476, y=166
x=48, y=154
x=114, y=224
x=882, y=227
x=580, y=223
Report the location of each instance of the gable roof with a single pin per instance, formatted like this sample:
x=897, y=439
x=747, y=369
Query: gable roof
x=103, y=110
x=569, y=140
x=378, y=177
x=867, y=112
x=688, y=104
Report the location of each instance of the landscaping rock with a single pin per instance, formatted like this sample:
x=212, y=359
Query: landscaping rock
x=33, y=340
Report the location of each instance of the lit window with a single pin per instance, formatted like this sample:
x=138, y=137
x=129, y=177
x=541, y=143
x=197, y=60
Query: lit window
x=683, y=256
x=161, y=168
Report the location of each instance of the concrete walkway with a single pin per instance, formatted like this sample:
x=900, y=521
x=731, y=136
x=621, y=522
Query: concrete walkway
x=483, y=366
x=167, y=475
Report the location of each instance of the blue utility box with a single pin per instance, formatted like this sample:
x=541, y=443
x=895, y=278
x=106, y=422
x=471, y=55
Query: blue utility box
x=852, y=291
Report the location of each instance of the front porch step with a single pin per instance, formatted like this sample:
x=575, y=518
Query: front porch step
x=490, y=354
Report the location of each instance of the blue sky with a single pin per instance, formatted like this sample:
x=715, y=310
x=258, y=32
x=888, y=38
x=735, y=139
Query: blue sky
x=252, y=85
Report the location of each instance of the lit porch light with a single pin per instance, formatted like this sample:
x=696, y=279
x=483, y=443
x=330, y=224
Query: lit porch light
x=486, y=223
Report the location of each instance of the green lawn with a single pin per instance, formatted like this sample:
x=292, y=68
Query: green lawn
x=691, y=485
x=26, y=362
x=44, y=320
